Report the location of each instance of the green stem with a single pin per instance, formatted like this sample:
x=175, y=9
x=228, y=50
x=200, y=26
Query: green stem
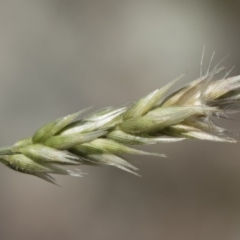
x=6, y=150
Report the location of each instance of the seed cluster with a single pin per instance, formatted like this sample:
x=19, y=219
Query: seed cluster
x=104, y=136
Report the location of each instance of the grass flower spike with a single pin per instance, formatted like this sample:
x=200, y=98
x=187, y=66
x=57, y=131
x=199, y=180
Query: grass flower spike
x=105, y=136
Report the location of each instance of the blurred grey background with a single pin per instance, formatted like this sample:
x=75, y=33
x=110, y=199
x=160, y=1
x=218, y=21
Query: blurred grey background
x=57, y=57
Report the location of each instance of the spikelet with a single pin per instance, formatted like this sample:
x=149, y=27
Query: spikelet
x=103, y=137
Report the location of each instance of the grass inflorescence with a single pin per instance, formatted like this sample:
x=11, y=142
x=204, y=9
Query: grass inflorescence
x=104, y=136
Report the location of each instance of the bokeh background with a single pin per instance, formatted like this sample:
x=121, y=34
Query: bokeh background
x=59, y=56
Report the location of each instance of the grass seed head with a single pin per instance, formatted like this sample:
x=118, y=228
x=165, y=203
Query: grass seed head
x=104, y=136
